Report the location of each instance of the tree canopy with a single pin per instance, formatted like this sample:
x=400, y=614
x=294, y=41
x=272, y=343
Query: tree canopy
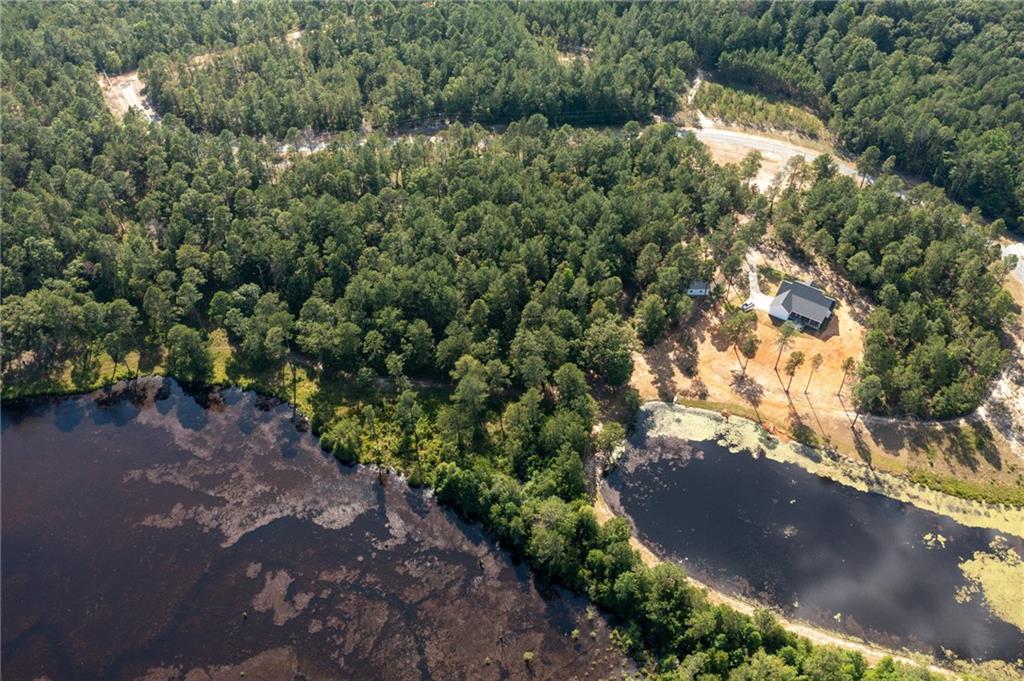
x=516, y=269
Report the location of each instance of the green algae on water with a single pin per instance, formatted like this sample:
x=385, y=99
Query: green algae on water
x=738, y=434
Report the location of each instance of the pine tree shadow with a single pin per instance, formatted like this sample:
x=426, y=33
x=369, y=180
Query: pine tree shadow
x=749, y=389
x=800, y=431
x=150, y=357
x=85, y=371
x=861, y=447
x=659, y=359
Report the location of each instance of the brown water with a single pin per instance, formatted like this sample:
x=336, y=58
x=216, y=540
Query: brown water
x=145, y=535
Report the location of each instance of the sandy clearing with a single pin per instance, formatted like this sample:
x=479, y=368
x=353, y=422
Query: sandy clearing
x=1015, y=248
x=1003, y=410
x=813, y=411
x=124, y=92
x=731, y=146
x=894, y=444
x=697, y=367
x=698, y=364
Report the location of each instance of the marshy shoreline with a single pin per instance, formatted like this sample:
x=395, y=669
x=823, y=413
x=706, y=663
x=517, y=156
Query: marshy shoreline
x=660, y=424
x=739, y=434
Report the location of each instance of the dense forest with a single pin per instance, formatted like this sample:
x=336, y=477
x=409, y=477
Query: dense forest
x=518, y=271
x=932, y=345
x=399, y=64
x=938, y=86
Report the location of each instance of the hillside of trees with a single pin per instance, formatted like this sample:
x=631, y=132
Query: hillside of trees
x=516, y=271
x=936, y=85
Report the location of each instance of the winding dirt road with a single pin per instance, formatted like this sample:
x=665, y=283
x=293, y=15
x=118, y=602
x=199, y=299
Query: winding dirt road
x=730, y=144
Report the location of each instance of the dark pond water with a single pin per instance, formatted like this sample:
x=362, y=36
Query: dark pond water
x=819, y=551
x=150, y=536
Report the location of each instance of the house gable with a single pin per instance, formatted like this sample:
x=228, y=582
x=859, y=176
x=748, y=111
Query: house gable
x=803, y=304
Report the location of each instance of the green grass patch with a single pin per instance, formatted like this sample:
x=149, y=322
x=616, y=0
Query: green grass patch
x=770, y=274
x=93, y=373
x=967, y=489
x=746, y=108
x=729, y=407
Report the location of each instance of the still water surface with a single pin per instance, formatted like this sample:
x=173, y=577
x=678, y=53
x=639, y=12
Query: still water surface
x=820, y=551
x=161, y=535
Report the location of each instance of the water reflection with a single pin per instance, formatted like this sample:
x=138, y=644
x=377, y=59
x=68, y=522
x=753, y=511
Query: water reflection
x=860, y=563
x=148, y=533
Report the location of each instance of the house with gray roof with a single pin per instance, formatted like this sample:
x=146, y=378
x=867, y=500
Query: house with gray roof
x=805, y=305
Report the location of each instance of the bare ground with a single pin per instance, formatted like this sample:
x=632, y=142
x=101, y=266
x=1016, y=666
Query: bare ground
x=124, y=92
x=730, y=143
x=697, y=366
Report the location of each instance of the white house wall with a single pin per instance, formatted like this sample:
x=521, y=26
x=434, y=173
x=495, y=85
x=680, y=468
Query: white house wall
x=778, y=311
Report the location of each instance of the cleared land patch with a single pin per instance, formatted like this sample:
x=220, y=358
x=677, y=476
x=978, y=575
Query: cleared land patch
x=735, y=106
x=124, y=92
x=966, y=457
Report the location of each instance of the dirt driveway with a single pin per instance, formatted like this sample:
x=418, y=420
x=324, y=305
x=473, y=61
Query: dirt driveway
x=757, y=298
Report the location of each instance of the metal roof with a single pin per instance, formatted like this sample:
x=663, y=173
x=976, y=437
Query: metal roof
x=805, y=300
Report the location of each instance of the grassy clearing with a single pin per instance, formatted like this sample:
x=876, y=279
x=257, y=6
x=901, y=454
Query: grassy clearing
x=721, y=407
x=746, y=108
x=771, y=275
x=100, y=371
x=967, y=489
